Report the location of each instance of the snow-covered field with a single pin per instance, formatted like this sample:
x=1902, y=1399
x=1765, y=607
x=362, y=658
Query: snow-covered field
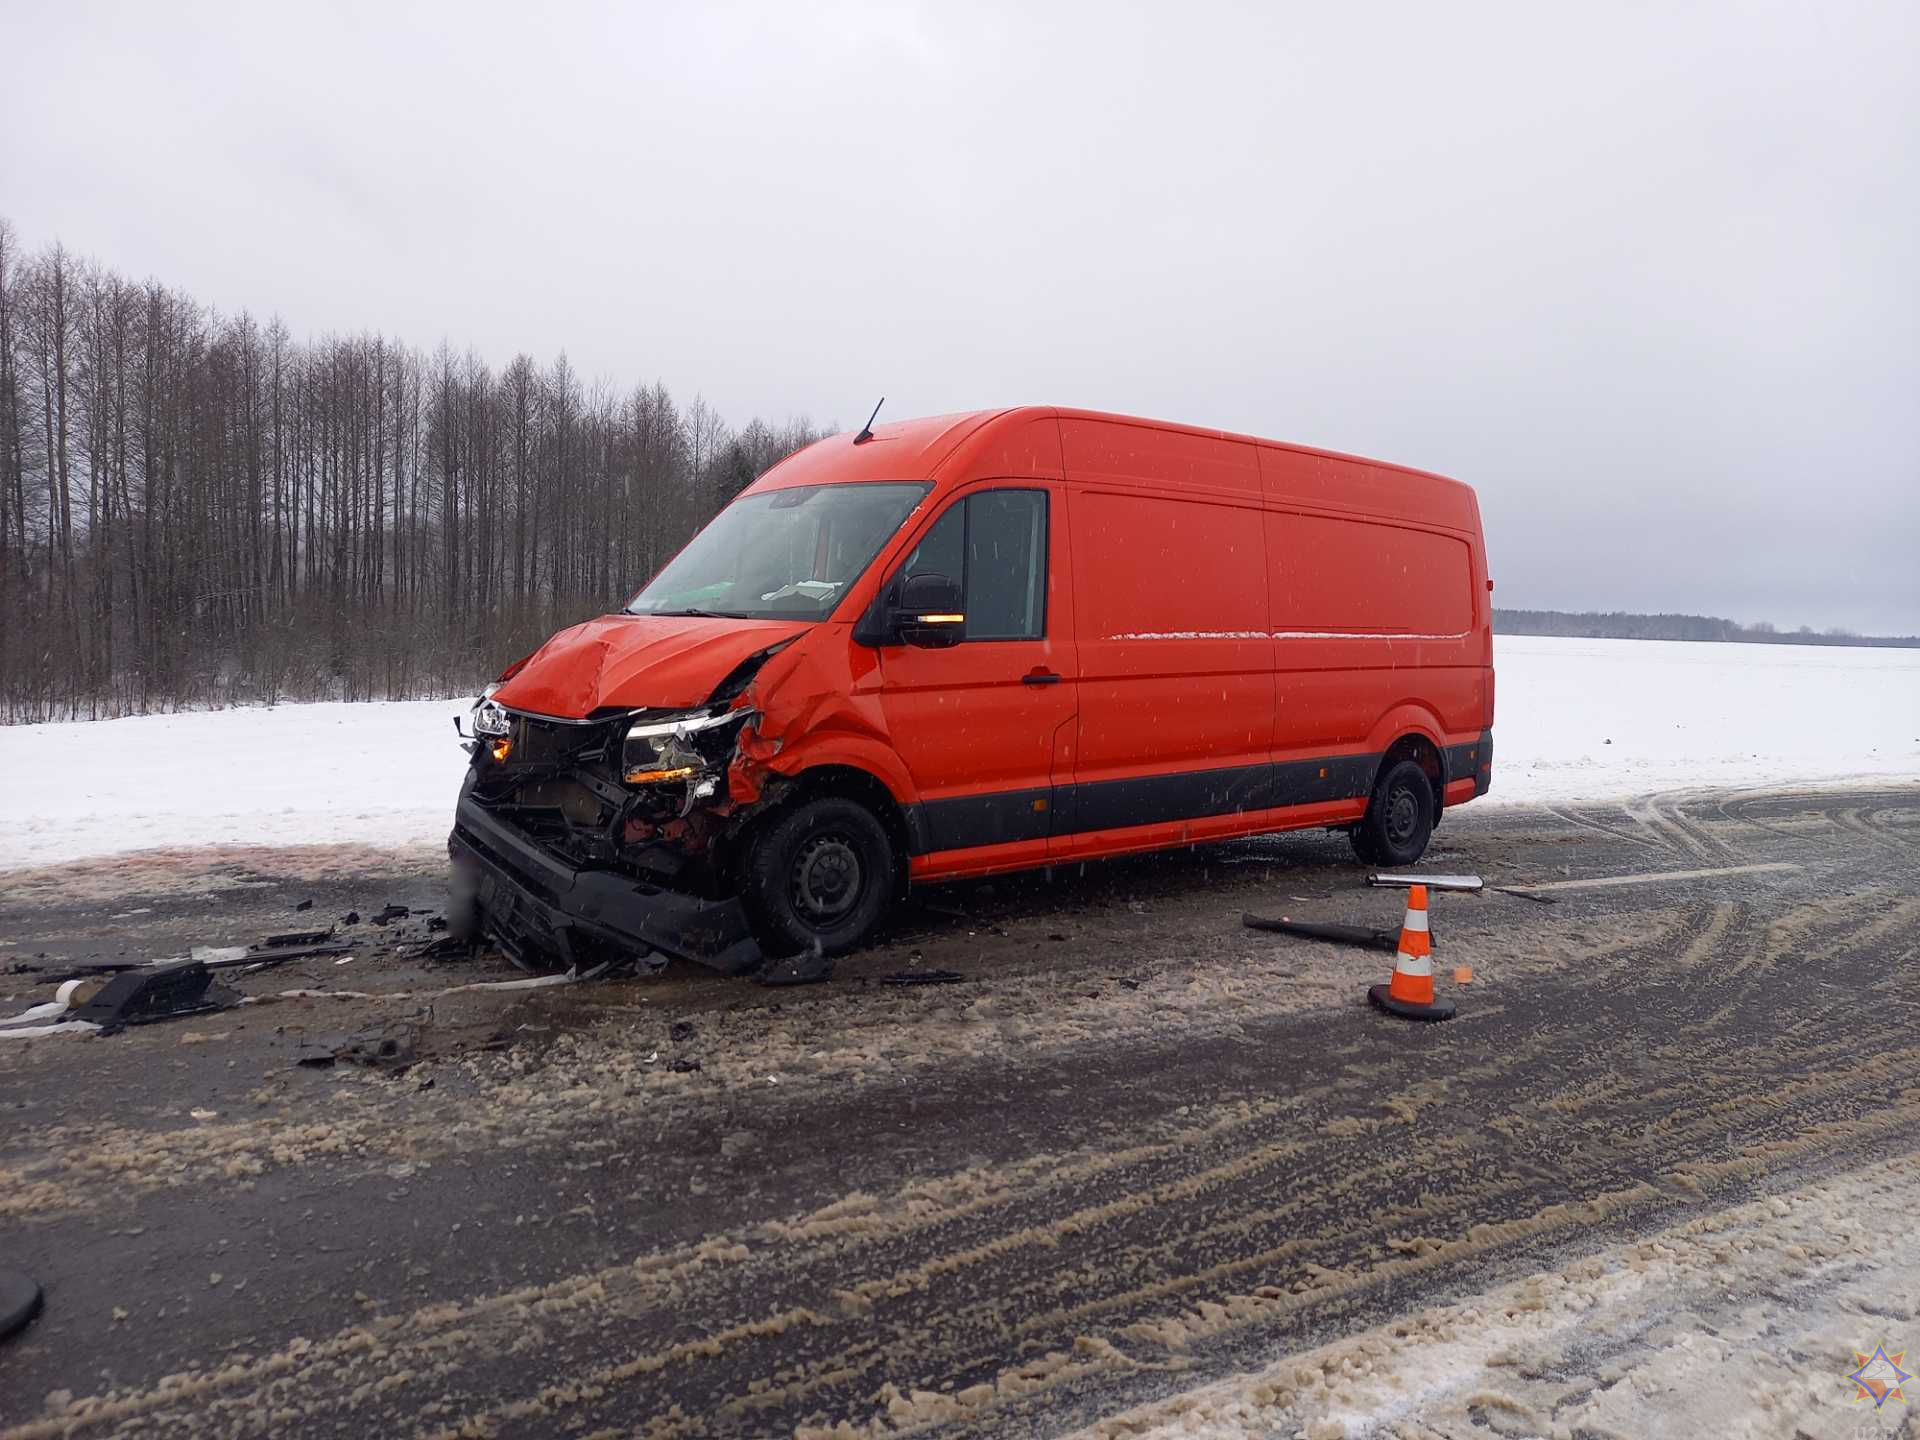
x=1598, y=719
x=1576, y=720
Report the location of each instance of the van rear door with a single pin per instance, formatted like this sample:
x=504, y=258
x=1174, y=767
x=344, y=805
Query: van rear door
x=976, y=723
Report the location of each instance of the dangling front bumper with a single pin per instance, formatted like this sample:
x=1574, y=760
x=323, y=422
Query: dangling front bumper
x=534, y=904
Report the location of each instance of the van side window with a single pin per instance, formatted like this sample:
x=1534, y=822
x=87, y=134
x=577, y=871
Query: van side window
x=995, y=545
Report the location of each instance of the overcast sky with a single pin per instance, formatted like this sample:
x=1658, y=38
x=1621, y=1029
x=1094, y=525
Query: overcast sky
x=1647, y=276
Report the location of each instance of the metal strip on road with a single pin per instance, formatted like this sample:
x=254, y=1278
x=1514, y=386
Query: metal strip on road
x=1655, y=877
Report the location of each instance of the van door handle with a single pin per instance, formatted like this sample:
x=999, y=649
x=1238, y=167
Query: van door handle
x=1040, y=677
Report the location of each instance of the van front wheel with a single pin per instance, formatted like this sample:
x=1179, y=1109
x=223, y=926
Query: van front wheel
x=1399, y=817
x=818, y=877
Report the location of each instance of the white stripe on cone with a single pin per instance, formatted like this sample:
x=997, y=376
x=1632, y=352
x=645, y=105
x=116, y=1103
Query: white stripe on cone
x=1408, y=965
x=1416, y=920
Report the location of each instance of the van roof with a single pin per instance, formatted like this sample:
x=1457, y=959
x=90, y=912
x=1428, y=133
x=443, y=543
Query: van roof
x=915, y=449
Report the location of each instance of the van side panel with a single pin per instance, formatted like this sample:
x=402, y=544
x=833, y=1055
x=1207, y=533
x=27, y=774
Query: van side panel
x=1228, y=588
x=1176, y=696
x=1379, y=618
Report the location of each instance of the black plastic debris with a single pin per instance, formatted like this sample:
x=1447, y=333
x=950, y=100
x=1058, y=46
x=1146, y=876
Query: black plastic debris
x=296, y=945
x=161, y=992
x=20, y=1301
x=391, y=913
x=392, y=1048
x=1361, y=935
x=684, y=1066
x=808, y=968
x=680, y=1030
x=304, y=905
x=922, y=977
x=298, y=937
x=352, y=917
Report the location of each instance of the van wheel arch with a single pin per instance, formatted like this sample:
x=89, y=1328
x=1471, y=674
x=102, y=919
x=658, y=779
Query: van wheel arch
x=1424, y=753
x=847, y=782
x=1396, y=827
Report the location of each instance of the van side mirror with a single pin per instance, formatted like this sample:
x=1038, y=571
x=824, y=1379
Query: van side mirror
x=928, y=613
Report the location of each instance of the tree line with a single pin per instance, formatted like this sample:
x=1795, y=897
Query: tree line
x=200, y=509
x=1620, y=625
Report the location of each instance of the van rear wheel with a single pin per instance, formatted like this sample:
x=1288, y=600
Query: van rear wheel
x=1399, y=818
x=818, y=877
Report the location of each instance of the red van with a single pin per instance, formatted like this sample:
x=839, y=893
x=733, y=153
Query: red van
x=978, y=643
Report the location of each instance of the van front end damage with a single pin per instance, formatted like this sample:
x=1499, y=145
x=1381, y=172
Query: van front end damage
x=608, y=838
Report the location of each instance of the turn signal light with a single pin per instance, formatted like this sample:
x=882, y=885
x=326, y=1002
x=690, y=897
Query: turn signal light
x=941, y=619
x=501, y=749
x=655, y=777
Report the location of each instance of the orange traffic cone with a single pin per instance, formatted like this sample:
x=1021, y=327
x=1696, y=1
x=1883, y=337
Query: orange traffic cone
x=1410, y=993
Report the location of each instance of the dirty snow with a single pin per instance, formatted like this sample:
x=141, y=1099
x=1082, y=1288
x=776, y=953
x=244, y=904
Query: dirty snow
x=1742, y=1324
x=384, y=774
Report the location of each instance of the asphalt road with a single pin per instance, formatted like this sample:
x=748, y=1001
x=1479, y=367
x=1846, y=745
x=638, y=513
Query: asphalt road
x=1135, y=1147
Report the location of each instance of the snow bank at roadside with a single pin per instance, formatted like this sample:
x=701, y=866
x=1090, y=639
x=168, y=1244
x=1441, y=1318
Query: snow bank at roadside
x=385, y=774
x=1742, y=1325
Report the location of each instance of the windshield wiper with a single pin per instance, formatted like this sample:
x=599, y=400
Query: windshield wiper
x=701, y=614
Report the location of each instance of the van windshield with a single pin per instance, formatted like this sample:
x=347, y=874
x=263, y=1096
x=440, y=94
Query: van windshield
x=781, y=554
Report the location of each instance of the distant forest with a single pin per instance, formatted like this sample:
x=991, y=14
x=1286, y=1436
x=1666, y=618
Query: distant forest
x=1618, y=625
x=198, y=509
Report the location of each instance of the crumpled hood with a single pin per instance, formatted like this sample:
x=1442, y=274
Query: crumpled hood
x=637, y=662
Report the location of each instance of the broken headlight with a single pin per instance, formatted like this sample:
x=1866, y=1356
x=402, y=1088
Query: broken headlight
x=692, y=748
x=488, y=718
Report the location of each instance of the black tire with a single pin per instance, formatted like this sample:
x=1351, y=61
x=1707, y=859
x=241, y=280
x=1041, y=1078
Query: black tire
x=1399, y=818
x=818, y=876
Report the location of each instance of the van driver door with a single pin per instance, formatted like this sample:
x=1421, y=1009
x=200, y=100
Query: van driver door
x=985, y=726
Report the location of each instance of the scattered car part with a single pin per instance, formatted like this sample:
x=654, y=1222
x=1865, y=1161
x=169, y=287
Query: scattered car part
x=161, y=992
x=391, y=913
x=276, y=948
x=20, y=1301
x=1361, y=935
x=1526, y=895
x=1400, y=880
x=51, y=1010
x=394, y=1048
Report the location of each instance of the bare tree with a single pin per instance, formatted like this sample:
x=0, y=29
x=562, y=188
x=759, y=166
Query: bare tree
x=198, y=509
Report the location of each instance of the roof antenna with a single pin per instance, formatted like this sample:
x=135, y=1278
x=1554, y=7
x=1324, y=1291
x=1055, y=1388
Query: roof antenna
x=866, y=430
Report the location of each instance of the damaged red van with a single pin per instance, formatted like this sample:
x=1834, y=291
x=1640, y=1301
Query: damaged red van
x=977, y=643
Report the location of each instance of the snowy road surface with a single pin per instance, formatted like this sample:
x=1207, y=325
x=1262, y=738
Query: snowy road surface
x=1141, y=1169
x=1576, y=720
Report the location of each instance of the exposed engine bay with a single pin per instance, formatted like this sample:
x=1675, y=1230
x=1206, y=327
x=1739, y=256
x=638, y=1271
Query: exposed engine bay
x=608, y=837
